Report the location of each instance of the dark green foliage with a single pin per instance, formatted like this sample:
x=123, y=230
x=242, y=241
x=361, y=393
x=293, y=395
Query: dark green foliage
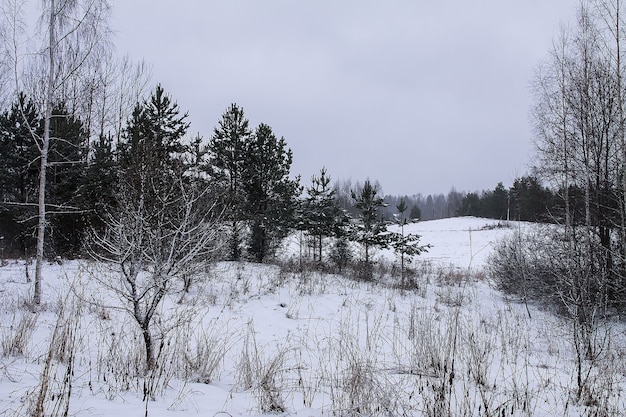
x=341, y=253
x=67, y=159
x=405, y=245
x=151, y=153
x=415, y=213
x=19, y=173
x=401, y=207
x=527, y=200
x=226, y=165
x=321, y=215
x=271, y=196
x=19, y=179
x=152, y=186
x=100, y=183
x=530, y=201
x=371, y=230
x=492, y=204
x=498, y=202
x=471, y=205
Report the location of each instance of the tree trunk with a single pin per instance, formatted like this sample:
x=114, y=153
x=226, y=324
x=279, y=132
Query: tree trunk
x=41, y=225
x=147, y=340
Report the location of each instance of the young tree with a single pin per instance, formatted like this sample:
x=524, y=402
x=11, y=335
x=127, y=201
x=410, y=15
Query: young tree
x=155, y=248
x=151, y=154
x=579, y=121
x=371, y=230
x=406, y=245
x=227, y=150
x=271, y=196
x=401, y=219
x=321, y=215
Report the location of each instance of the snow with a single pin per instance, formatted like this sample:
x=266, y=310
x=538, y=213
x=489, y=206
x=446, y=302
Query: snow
x=316, y=344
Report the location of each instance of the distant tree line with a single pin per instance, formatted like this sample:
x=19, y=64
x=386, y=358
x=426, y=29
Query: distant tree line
x=526, y=200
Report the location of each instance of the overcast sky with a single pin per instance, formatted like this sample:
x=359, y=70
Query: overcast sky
x=419, y=95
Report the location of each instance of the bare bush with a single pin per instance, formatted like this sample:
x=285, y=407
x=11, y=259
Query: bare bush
x=263, y=373
x=52, y=396
x=15, y=339
x=521, y=264
x=202, y=362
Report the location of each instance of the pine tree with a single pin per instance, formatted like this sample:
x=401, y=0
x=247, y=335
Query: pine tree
x=416, y=213
x=271, y=196
x=100, y=184
x=66, y=170
x=151, y=154
x=406, y=245
x=371, y=231
x=19, y=176
x=401, y=219
x=321, y=215
x=227, y=150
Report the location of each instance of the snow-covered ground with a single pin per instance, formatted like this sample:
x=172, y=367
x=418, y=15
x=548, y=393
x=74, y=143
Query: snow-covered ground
x=254, y=340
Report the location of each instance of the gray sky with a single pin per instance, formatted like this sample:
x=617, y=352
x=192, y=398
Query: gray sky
x=419, y=95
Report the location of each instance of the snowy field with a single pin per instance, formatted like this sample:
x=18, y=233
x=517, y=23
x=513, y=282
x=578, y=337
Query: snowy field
x=260, y=340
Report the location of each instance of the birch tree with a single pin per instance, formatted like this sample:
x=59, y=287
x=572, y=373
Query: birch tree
x=49, y=64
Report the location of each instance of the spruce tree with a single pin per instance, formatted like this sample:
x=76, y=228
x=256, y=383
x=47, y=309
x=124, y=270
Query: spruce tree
x=271, y=196
x=227, y=149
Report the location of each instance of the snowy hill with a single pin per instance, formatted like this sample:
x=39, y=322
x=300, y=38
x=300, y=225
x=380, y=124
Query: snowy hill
x=259, y=340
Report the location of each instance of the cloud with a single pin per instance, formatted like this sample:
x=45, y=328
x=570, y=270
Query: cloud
x=419, y=95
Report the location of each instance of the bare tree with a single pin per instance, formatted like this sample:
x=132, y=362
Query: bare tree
x=579, y=120
x=156, y=249
x=71, y=34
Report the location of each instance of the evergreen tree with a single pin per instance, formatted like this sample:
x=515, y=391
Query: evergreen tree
x=19, y=180
x=497, y=203
x=161, y=233
x=19, y=176
x=322, y=216
x=151, y=153
x=371, y=230
x=98, y=195
x=66, y=169
x=271, y=196
x=227, y=150
x=530, y=201
x=471, y=205
x=406, y=245
x=415, y=214
x=341, y=253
